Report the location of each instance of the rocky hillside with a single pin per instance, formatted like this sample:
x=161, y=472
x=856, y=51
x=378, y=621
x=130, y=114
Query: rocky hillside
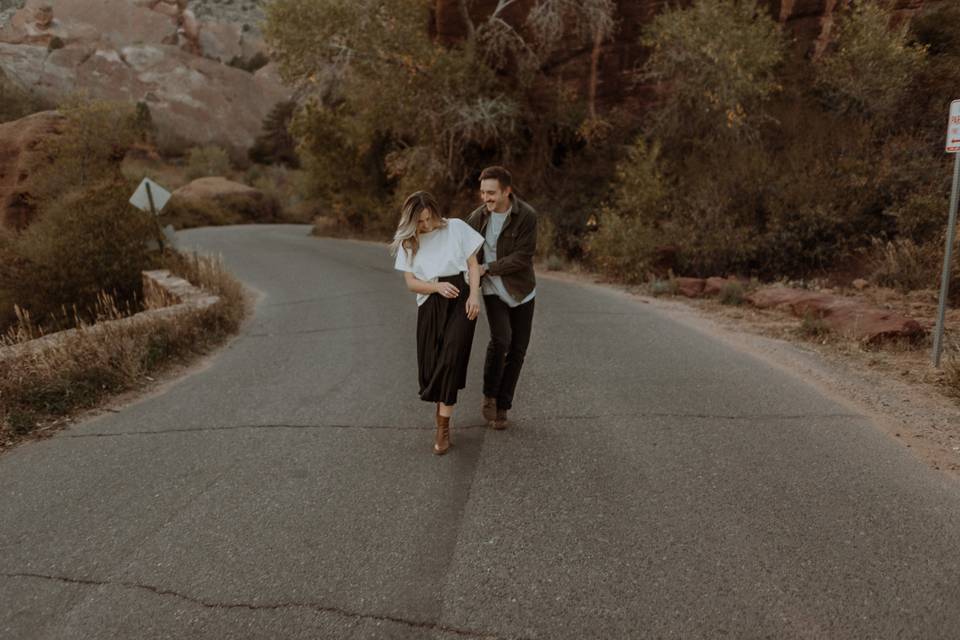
x=204, y=75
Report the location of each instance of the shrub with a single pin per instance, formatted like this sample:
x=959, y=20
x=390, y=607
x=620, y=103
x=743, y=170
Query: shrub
x=89, y=240
x=663, y=287
x=546, y=237
x=625, y=240
x=623, y=247
x=732, y=293
x=812, y=326
x=209, y=160
x=555, y=263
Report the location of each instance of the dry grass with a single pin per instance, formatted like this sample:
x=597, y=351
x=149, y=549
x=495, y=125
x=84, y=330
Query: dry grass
x=39, y=388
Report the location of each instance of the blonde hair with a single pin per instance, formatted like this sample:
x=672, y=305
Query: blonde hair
x=407, y=237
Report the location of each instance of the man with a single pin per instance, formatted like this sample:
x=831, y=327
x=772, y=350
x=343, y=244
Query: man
x=509, y=227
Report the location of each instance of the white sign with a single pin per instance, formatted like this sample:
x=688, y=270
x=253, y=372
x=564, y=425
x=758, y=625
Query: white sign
x=953, y=128
x=142, y=202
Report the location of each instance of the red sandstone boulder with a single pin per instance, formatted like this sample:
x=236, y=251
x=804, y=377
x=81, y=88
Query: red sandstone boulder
x=20, y=156
x=690, y=287
x=850, y=318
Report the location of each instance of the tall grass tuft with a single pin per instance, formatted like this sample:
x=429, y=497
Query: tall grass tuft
x=38, y=386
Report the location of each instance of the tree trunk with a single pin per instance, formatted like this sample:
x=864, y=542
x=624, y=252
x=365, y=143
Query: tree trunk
x=595, y=71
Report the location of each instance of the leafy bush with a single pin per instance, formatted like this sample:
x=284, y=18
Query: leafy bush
x=624, y=247
x=88, y=241
x=206, y=161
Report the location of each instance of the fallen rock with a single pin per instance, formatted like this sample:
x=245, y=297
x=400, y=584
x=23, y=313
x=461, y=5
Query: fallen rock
x=690, y=287
x=850, y=318
x=218, y=201
x=20, y=157
x=860, y=284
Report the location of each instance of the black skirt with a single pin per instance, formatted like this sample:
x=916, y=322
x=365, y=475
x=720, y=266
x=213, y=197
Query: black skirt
x=444, y=338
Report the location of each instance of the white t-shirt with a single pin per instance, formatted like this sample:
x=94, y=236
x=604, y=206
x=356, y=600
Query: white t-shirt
x=443, y=252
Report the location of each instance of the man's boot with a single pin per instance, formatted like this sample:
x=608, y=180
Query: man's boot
x=489, y=409
x=442, y=439
x=500, y=421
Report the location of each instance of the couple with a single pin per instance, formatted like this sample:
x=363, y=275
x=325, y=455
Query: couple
x=449, y=264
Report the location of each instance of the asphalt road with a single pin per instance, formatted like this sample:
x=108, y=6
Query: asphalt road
x=656, y=484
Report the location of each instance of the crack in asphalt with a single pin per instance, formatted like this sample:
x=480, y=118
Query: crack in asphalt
x=304, y=427
x=369, y=427
x=311, y=331
x=351, y=294
x=207, y=604
x=708, y=416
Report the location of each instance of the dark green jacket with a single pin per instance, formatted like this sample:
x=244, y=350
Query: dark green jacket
x=516, y=246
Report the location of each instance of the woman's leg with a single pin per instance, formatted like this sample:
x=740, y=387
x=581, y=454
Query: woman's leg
x=442, y=440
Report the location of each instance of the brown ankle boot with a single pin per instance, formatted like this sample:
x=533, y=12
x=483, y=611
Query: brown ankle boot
x=489, y=409
x=442, y=440
x=500, y=423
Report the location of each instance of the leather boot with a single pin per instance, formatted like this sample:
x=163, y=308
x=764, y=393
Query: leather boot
x=442, y=439
x=489, y=409
x=500, y=422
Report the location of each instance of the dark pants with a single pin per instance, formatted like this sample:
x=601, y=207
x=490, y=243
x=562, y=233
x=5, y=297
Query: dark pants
x=509, y=336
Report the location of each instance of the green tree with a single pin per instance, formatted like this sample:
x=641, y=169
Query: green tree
x=432, y=111
x=871, y=67
x=276, y=145
x=714, y=66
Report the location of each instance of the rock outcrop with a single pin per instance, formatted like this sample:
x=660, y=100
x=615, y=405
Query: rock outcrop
x=850, y=318
x=217, y=201
x=20, y=156
x=151, y=51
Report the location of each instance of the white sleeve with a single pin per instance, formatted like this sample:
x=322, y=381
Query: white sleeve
x=470, y=240
x=402, y=263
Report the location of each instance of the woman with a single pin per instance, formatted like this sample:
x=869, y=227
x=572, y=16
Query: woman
x=434, y=253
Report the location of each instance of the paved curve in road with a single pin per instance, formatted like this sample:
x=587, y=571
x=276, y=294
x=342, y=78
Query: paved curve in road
x=656, y=484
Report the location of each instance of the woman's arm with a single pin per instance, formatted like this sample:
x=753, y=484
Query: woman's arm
x=415, y=284
x=473, y=302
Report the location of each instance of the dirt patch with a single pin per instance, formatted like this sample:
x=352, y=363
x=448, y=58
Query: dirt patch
x=894, y=384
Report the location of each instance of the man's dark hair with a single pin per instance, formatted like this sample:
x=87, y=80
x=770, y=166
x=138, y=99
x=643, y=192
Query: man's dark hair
x=499, y=174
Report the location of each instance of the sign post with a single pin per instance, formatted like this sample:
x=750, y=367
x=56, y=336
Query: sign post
x=151, y=197
x=953, y=146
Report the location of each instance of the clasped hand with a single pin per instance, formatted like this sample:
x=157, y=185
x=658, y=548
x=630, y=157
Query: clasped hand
x=449, y=290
